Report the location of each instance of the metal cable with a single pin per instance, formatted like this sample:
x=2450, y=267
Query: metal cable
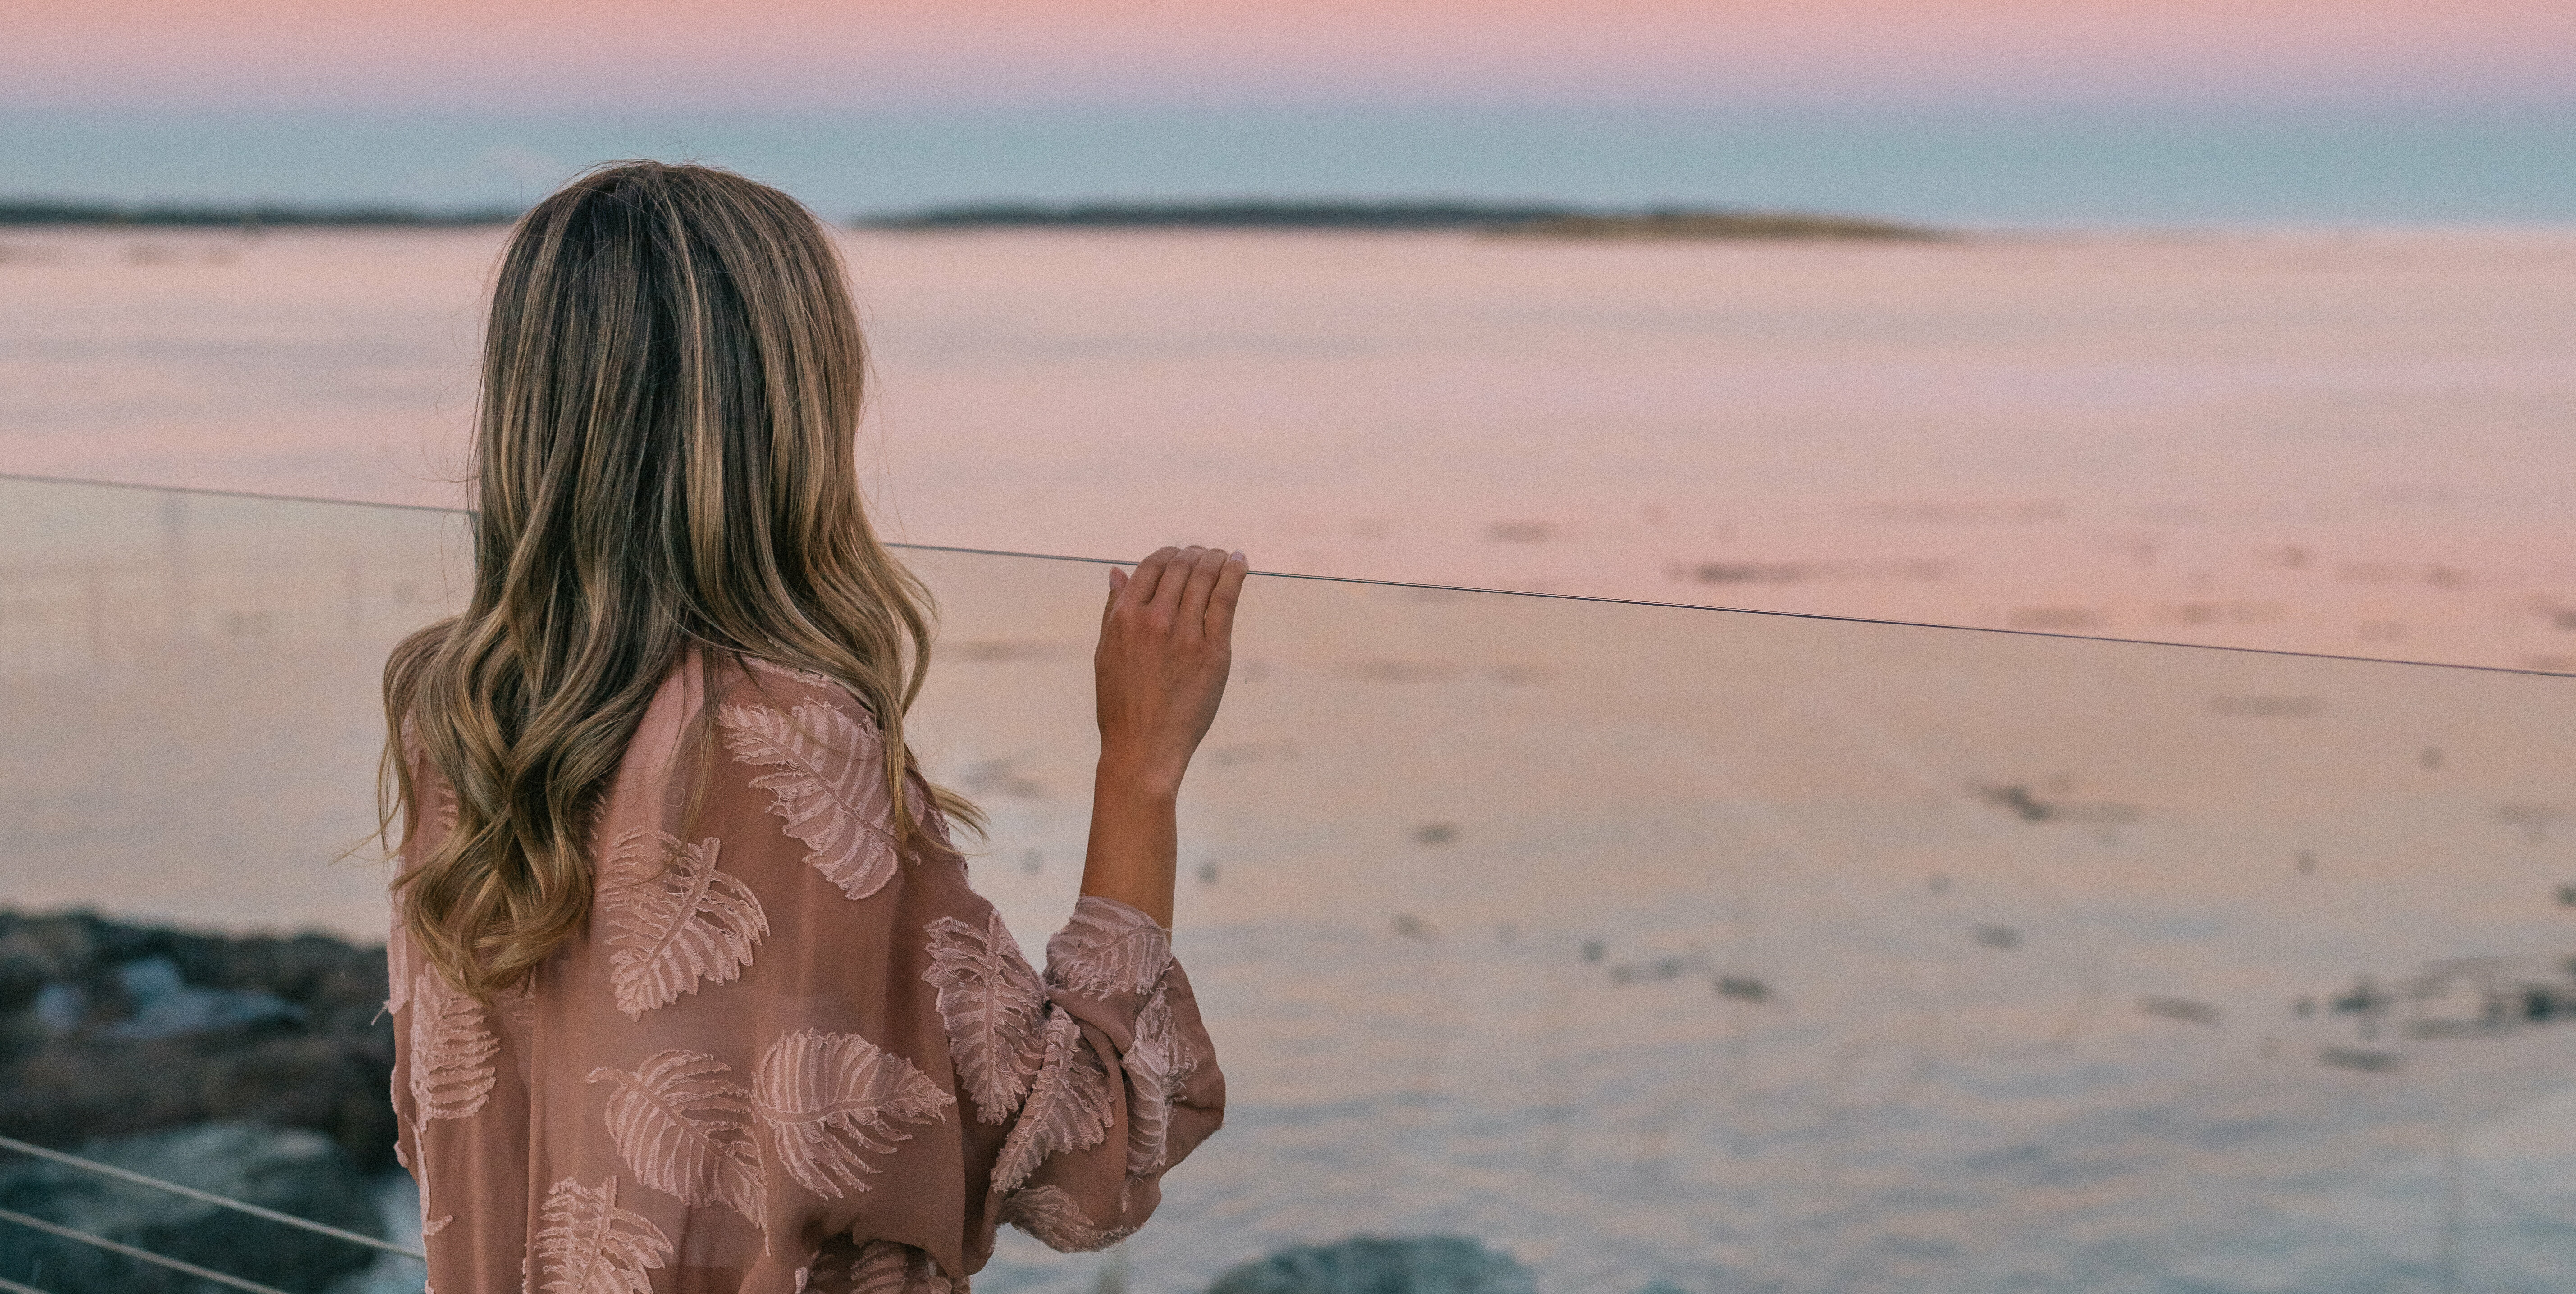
x=8, y=1286
x=208, y=1197
x=139, y=1255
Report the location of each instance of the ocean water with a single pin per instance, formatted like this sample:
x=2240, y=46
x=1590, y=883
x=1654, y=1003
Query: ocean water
x=1735, y=952
x=2349, y=442
x=1646, y=944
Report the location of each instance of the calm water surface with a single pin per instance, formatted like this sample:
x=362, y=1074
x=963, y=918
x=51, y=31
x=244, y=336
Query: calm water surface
x=1735, y=953
x=2343, y=442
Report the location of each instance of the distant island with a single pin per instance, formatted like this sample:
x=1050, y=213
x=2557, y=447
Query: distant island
x=24, y=212
x=1518, y=220
x=1723, y=224
x=1508, y=220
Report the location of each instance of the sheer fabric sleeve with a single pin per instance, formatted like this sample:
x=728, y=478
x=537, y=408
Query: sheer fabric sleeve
x=789, y=1055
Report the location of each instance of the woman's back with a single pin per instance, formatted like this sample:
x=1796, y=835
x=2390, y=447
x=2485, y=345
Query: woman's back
x=780, y=1029
x=691, y=991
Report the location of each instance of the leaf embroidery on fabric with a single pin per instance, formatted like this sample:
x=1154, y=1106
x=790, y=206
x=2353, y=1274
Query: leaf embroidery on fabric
x=1108, y=948
x=1156, y=1063
x=1050, y=1215
x=685, y=1131
x=877, y=1267
x=831, y=794
x=992, y=1006
x=441, y=800
x=400, y=964
x=1067, y=1109
x=588, y=1245
x=805, y=676
x=451, y=1049
x=518, y=1005
x=829, y=1097
x=401, y=958
x=673, y=919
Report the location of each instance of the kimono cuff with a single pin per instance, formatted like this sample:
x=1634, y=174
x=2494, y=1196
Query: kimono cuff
x=1107, y=961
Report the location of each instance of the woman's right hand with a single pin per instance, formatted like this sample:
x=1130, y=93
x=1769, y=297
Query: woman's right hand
x=1166, y=646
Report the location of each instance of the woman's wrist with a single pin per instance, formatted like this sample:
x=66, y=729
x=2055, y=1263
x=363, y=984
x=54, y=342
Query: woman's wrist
x=1133, y=778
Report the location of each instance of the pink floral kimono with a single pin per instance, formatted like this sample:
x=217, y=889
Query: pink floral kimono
x=786, y=1056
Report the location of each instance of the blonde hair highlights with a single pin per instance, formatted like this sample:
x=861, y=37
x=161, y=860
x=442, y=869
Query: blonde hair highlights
x=665, y=449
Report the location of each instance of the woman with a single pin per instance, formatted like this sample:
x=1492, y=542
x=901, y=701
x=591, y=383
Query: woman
x=690, y=990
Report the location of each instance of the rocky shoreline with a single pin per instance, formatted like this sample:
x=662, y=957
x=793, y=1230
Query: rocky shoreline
x=109, y=1029
x=254, y=1067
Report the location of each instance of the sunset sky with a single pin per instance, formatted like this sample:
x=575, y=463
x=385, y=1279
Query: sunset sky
x=335, y=98
x=804, y=54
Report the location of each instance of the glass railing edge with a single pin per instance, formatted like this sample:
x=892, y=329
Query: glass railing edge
x=210, y=492
x=1402, y=584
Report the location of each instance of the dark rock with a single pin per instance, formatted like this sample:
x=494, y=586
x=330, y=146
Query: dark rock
x=22, y=977
x=291, y=1170
x=108, y=1029
x=1375, y=1265
x=165, y=1005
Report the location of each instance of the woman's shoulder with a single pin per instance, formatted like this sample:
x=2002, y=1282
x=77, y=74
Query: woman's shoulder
x=767, y=713
x=748, y=690
x=805, y=745
x=741, y=678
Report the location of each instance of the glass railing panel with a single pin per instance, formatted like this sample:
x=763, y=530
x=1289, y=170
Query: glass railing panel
x=190, y=728
x=1740, y=951
x=1644, y=944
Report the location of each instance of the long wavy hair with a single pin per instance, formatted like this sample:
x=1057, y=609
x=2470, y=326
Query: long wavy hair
x=666, y=461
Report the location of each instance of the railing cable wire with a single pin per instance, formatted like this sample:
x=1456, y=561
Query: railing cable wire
x=139, y=1255
x=208, y=1197
x=8, y=1286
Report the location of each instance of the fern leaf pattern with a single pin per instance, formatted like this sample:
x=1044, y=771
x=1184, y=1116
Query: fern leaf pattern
x=685, y=1130
x=829, y=1099
x=440, y=796
x=876, y=1267
x=830, y=791
x=1108, y=948
x=451, y=1049
x=1051, y=1216
x=673, y=919
x=401, y=963
x=518, y=1007
x=401, y=958
x=789, y=672
x=588, y=1245
x=1067, y=1109
x=992, y=1006
x=1156, y=1063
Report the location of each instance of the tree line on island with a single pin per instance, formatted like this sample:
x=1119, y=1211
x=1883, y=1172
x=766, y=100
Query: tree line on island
x=1516, y=220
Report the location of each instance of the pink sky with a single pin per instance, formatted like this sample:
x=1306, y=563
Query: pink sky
x=810, y=54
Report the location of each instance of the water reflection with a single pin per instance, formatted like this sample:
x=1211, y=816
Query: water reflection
x=1643, y=945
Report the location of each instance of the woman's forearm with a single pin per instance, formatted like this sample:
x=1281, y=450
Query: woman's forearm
x=1166, y=646
x=1135, y=839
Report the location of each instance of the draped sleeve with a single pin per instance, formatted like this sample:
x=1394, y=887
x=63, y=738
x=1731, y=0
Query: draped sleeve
x=788, y=1054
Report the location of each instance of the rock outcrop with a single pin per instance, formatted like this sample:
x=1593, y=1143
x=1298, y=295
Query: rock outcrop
x=294, y=1170
x=109, y=1030
x=1375, y=1265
